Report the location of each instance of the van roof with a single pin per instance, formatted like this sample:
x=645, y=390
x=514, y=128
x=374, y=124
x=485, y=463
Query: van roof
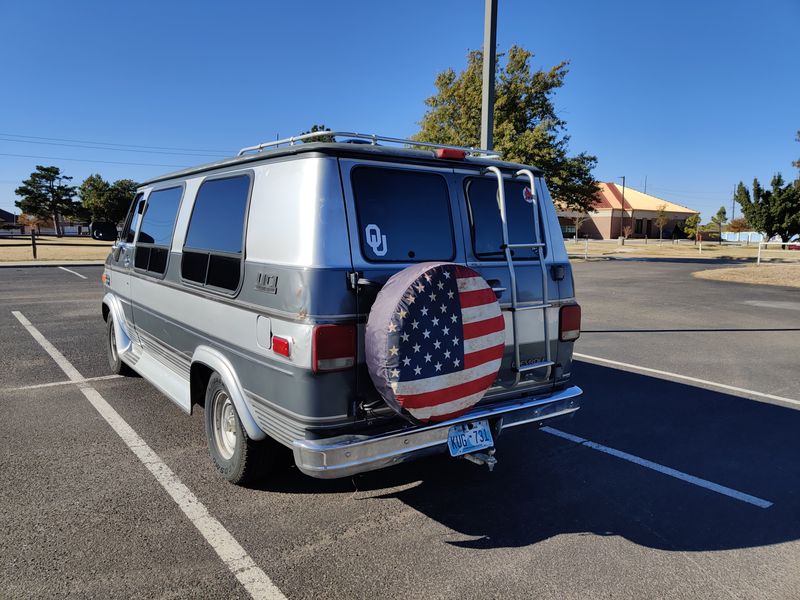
x=342, y=149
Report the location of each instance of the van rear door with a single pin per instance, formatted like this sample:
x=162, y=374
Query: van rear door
x=398, y=215
x=485, y=253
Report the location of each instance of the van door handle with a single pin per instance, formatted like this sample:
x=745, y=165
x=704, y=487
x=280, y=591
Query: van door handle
x=496, y=287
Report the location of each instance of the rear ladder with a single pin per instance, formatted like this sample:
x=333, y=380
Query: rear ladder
x=507, y=247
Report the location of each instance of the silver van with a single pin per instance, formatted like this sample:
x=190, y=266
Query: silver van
x=247, y=286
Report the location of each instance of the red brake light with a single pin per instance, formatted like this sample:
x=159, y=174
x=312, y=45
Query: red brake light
x=569, y=323
x=333, y=347
x=450, y=153
x=280, y=345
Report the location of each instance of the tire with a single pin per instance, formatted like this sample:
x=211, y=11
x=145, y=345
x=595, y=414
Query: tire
x=238, y=459
x=114, y=361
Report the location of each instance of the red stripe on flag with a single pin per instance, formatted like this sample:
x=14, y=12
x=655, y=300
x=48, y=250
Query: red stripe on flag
x=446, y=394
x=464, y=272
x=477, y=298
x=485, y=327
x=473, y=359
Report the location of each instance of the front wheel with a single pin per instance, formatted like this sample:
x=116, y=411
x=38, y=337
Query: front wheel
x=114, y=360
x=239, y=459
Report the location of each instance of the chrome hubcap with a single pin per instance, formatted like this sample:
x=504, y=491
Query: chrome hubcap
x=224, y=425
x=112, y=342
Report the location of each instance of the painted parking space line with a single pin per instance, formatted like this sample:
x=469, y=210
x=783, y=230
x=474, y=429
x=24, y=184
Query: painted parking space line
x=37, y=386
x=643, y=462
x=73, y=272
x=669, y=375
x=238, y=561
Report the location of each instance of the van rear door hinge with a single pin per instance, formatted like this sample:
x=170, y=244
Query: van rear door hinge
x=355, y=281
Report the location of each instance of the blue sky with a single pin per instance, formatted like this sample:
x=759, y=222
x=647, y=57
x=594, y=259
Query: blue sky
x=692, y=95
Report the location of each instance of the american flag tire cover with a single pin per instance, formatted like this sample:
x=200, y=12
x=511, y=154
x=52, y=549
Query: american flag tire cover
x=434, y=341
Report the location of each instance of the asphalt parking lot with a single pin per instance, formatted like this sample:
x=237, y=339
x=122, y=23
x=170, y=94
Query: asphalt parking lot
x=664, y=485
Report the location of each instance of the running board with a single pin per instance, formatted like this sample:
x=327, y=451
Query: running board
x=168, y=382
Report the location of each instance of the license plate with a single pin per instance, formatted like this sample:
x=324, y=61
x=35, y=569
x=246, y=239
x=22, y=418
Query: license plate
x=469, y=437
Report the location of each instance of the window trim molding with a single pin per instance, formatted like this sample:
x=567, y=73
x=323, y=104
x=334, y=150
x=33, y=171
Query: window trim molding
x=406, y=260
x=250, y=174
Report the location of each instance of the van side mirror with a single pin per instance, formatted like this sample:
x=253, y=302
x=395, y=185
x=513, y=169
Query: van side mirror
x=103, y=231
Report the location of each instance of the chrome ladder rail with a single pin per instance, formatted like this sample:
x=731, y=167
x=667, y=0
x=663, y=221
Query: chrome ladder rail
x=507, y=248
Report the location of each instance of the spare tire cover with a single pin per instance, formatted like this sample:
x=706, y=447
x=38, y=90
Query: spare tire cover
x=434, y=341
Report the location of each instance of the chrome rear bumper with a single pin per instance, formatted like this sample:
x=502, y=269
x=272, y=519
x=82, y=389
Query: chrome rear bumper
x=347, y=455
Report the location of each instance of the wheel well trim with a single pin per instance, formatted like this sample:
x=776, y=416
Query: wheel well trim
x=214, y=360
x=120, y=329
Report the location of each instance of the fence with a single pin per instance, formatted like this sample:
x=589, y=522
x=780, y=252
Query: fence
x=784, y=247
x=23, y=241
x=755, y=252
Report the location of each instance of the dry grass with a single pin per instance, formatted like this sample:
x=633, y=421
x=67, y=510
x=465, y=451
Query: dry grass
x=638, y=248
x=53, y=248
x=784, y=275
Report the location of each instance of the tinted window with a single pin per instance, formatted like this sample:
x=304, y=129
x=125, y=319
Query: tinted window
x=213, y=252
x=159, y=216
x=217, y=222
x=403, y=216
x=133, y=219
x=484, y=214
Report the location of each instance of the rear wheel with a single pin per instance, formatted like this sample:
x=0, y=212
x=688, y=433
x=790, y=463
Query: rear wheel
x=239, y=459
x=114, y=361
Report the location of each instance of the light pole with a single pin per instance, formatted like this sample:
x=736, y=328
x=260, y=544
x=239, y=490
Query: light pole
x=622, y=213
x=487, y=90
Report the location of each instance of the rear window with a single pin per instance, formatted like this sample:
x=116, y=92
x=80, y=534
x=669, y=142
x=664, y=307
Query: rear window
x=484, y=216
x=403, y=216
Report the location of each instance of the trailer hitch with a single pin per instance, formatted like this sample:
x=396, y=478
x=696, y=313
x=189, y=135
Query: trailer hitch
x=482, y=458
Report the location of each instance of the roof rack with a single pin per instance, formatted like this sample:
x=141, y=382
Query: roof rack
x=371, y=138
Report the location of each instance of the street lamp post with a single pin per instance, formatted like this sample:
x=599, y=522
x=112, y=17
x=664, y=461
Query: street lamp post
x=622, y=212
x=487, y=90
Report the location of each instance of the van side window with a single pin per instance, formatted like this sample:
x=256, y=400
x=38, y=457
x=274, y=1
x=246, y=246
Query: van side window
x=484, y=218
x=132, y=220
x=155, y=233
x=212, y=255
x=403, y=215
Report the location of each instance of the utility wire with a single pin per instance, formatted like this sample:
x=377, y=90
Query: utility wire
x=36, y=137
x=107, y=162
x=5, y=139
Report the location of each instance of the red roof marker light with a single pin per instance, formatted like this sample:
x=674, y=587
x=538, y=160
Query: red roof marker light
x=450, y=153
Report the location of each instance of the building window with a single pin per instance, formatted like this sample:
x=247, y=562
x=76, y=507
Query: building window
x=155, y=233
x=638, y=228
x=214, y=248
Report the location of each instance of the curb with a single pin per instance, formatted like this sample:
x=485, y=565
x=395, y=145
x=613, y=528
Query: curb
x=51, y=263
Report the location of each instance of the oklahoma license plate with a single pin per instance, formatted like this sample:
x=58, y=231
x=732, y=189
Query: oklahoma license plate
x=469, y=437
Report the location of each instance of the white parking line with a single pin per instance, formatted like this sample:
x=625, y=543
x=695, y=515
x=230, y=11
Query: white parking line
x=73, y=272
x=703, y=483
x=669, y=375
x=254, y=580
x=57, y=383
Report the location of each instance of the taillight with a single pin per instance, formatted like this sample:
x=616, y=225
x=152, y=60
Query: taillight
x=280, y=345
x=569, y=323
x=333, y=347
x=450, y=153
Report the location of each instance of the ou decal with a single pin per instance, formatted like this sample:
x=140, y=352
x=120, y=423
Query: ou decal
x=375, y=240
x=527, y=195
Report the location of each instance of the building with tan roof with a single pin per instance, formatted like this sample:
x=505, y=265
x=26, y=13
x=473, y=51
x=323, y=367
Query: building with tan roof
x=613, y=213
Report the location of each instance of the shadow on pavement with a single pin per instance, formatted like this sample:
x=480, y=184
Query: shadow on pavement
x=545, y=486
